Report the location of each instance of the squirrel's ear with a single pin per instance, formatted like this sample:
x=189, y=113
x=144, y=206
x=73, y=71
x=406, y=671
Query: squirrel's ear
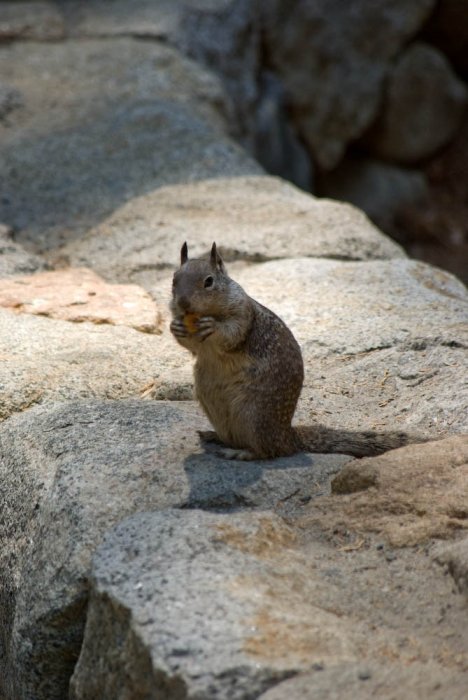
x=216, y=259
x=184, y=253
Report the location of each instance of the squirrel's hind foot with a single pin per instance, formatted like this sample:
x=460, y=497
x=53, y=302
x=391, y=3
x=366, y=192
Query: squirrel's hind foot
x=231, y=453
x=211, y=437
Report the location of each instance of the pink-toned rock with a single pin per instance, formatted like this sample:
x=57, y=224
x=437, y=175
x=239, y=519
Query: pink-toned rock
x=78, y=294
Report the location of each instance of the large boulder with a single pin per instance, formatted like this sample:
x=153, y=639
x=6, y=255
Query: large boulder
x=69, y=472
x=368, y=681
x=384, y=342
x=385, y=338
x=382, y=190
x=39, y=21
x=426, y=484
x=251, y=218
x=322, y=50
x=448, y=29
x=112, y=120
x=226, y=560
x=46, y=359
x=423, y=106
x=203, y=605
x=14, y=258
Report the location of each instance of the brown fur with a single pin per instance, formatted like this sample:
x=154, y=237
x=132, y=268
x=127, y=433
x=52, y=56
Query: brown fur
x=249, y=370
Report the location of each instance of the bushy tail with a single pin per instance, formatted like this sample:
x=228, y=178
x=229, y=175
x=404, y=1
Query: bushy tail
x=365, y=443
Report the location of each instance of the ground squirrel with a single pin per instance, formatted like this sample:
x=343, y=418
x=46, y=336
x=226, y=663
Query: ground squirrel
x=249, y=370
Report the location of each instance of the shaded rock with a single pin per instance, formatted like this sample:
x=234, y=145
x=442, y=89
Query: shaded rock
x=423, y=106
x=144, y=18
x=80, y=295
x=275, y=142
x=383, y=191
x=226, y=37
x=14, y=259
x=253, y=218
x=322, y=50
x=41, y=21
x=10, y=99
x=455, y=558
x=408, y=495
x=448, y=30
x=134, y=115
x=366, y=681
x=71, y=471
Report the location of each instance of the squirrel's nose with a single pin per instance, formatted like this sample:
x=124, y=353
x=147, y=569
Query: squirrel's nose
x=183, y=302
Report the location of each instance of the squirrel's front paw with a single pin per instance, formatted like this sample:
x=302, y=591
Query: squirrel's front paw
x=178, y=328
x=206, y=325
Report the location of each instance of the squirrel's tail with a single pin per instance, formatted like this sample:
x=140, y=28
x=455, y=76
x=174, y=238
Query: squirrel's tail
x=365, y=443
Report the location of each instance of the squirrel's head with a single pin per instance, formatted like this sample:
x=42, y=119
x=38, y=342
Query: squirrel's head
x=201, y=286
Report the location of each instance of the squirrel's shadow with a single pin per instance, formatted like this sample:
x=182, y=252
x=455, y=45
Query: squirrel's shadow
x=217, y=483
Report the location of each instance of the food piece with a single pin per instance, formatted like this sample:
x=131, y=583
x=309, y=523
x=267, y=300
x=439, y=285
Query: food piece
x=190, y=323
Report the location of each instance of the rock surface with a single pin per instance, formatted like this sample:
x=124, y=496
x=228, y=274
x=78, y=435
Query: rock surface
x=222, y=557
x=46, y=360
x=80, y=295
x=146, y=19
x=71, y=471
x=14, y=259
x=266, y=219
x=112, y=120
x=40, y=21
x=448, y=29
x=423, y=106
x=383, y=191
x=257, y=580
x=330, y=103
x=455, y=557
x=368, y=681
x=427, y=485
x=375, y=356
x=134, y=560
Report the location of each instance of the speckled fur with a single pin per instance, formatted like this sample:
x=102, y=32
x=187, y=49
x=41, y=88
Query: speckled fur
x=249, y=370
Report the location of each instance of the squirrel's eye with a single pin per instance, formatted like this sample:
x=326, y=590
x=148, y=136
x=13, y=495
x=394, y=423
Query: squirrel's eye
x=208, y=281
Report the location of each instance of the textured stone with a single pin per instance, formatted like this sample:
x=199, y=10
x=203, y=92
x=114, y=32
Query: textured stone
x=423, y=107
x=10, y=99
x=144, y=18
x=79, y=295
x=41, y=21
x=366, y=681
x=381, y=190
x=71, y=471
x=455, y=557
x=198, y=605
x=14, y=259
x=183, y=564
x=384, y=342
x=253, y=219
x=44, y=359
x=448, y=30
x=425, y=485
x=112, y=120
x=333, y=58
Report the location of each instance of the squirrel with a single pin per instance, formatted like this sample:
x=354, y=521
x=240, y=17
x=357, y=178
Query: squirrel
x=249, y=370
